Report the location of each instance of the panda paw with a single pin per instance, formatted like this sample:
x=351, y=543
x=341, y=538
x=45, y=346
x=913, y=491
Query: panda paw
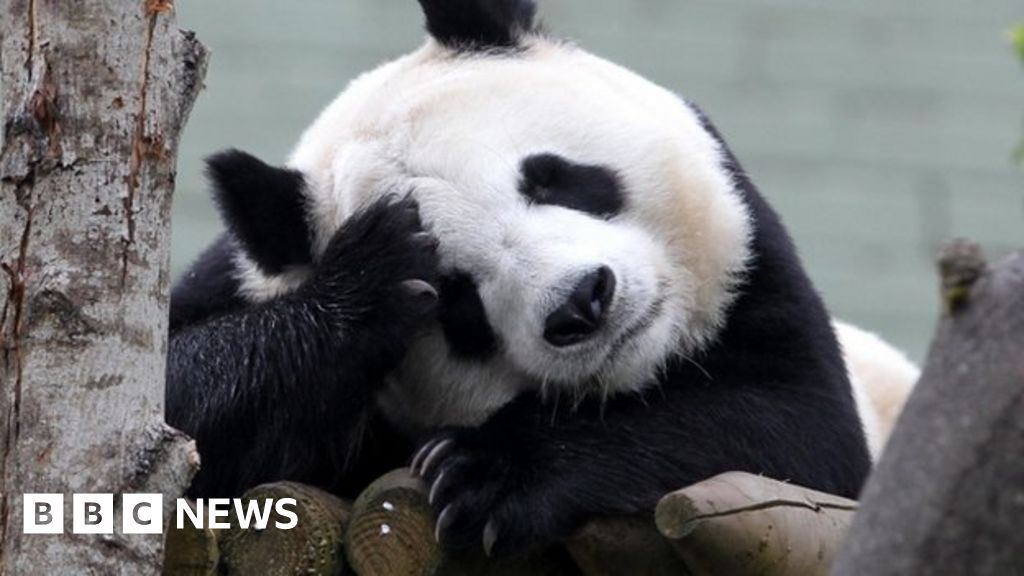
x=484, y=496
x=380, y=269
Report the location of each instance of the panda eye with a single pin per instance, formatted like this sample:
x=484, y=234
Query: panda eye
x=549, y=179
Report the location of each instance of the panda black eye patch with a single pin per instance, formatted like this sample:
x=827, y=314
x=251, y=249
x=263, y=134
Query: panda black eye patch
x=552, y=180
x=464, y=320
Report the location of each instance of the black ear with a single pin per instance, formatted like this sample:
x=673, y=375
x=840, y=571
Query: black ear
x=478, y=24
x=264, y=207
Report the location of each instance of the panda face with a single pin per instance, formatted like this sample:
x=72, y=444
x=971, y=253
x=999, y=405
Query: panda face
x=588, y=230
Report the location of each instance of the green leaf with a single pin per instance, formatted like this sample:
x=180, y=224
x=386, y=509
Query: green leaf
x=1017, y=37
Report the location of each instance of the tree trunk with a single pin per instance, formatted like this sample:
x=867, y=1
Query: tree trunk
x=948, y=495
x=95, y=94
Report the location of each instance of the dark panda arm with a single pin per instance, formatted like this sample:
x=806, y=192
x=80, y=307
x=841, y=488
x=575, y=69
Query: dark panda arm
x=280, y=390
x=535, y=472
x=243, y=383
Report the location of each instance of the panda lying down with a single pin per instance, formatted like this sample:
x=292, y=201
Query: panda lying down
x=542, y=280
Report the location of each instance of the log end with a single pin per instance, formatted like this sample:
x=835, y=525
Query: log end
x=313, y=546
x=392, y=529
x=677, y=516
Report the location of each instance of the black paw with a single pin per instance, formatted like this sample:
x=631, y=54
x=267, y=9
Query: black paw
x=485, y=496
x=379, y=271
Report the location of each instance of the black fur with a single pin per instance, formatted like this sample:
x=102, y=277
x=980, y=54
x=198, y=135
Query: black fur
x=478, y=24
x=551, y=179
x=208, y=287
x=464, y=320
x=264, y=207
x=771, y=396
x=283, y=389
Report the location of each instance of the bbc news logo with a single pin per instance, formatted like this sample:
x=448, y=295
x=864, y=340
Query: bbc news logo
x=144, y=513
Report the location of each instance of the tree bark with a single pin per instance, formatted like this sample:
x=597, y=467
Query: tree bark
x=948, y=495
x=95, y=94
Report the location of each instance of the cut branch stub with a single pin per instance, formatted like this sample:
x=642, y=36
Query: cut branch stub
x=961, y=264
x=741, y=524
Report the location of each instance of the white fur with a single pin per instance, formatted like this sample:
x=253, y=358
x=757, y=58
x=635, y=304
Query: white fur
x=453, y=130
x=882, y=379
x=256, y=286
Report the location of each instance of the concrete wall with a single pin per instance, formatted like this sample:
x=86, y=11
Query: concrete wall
x=878, y=128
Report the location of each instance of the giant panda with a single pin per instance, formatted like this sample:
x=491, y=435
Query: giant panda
x=539, y=279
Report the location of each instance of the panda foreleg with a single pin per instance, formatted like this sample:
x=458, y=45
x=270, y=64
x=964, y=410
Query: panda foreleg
x=282, y=390
x=532, y=474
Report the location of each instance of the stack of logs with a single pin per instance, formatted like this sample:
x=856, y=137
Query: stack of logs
x=733, y=524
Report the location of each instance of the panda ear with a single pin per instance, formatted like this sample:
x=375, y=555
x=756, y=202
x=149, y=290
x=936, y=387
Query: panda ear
x=479, y=24
x=264, y=207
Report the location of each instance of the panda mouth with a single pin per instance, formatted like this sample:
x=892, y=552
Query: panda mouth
x=641, y=325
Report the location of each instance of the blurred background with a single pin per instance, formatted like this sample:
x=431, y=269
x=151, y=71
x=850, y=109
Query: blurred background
x=878, y=128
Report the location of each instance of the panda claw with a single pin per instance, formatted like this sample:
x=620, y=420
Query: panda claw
x=425, y=239
x=417, y=460
x=420, y=289
x=435, y=455
x=436, y=488
x=444, y=520
x=395, y=197
x=490, y=537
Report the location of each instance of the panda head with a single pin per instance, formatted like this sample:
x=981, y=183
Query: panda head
x=588, y=230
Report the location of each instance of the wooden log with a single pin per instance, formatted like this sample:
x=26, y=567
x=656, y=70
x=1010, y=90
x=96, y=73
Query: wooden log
x=391, y=531
x=614, y=546
x=948, y=494
x=739, y=524
x=190, y=551
x=313, y=546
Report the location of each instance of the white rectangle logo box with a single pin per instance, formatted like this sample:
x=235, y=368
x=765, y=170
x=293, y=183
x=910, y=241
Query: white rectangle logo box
x=43, y=513
x=92, y=514
x=142, y=513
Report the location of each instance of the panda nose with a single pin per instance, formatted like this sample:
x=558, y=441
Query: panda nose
x=582, y=314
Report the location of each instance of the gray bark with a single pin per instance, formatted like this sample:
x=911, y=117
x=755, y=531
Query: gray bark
x=948, y=495
x=95, y=94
